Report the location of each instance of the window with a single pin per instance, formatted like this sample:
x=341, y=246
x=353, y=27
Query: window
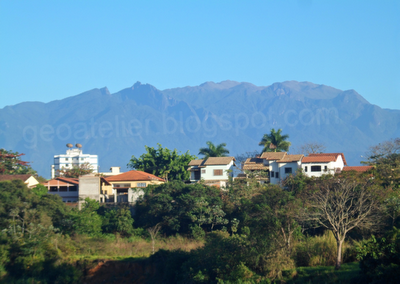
x=123, y=185
x=73, y=188
x=288, y=170
x=277, y=174
x=315, y=168
x=141, y=184
x=67, y=165
x=66, y=159
x=305, y=168
x=326, y=168
x=82, y=159
x=218, y=172
x=272, y=174
x=203, y=171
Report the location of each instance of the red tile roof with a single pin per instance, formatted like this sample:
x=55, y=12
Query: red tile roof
x=12, y=177
x=134, y=176
x=358, y=168
x=323, y=158
x=62, y=181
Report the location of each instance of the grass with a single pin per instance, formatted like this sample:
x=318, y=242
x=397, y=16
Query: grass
x=84, y=247
x=348, y=273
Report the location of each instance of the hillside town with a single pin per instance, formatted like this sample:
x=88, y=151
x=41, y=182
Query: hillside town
x=286, y=205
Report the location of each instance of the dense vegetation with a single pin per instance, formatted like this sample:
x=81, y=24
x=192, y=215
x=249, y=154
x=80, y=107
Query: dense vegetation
x=248, y=233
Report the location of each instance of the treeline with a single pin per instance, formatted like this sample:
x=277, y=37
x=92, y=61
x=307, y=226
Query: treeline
x=246, y=233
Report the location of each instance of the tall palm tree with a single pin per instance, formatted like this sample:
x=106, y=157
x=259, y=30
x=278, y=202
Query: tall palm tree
x=275, y=141
x=214, y=151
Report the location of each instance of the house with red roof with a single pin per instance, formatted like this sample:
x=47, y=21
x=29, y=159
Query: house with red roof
x=316, y=165
x=127, y=187
x=75, y=190
x=28, y=179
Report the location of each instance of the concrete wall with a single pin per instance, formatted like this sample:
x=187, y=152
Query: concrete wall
x=89, y=186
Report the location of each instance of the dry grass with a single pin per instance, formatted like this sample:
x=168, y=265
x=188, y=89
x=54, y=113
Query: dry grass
x=116, y=247
x=318, y=251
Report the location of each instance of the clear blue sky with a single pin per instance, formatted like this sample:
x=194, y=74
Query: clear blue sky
x=54, y=49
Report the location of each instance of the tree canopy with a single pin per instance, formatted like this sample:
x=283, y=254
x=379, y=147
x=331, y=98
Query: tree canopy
x=275, y=141
x=76, y=171
x=11, y=163
x=214, y=150
x=163, y=162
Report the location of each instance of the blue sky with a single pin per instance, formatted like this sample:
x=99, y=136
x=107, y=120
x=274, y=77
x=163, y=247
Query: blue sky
x=50, y=50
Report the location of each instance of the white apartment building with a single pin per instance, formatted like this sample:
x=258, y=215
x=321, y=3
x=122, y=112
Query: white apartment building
x=73, y=157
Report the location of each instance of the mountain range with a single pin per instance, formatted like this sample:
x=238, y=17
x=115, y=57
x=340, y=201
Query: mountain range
x=119, y=125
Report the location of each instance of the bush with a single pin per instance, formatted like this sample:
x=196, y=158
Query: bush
x=317, y=251
x=380, y=258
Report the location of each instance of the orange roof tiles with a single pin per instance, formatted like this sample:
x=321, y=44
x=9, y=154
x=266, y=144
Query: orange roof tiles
x=323, y=158
x=12, y=177
x=134, y=176
x=329, y=155
x=358, y=168
x=61, y=181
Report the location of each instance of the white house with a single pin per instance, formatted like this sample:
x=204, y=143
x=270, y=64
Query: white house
x=73, y=157
x=213, y=171
x=316, y=165
x=281, y=165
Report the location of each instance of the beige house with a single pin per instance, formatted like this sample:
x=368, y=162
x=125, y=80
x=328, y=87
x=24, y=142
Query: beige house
x=126, y=187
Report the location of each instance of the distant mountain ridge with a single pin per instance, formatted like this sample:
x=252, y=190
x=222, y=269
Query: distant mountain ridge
x=117, y=126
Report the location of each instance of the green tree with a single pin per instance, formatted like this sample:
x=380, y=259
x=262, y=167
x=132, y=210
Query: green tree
x=341, y=204
x=87, y=221
x=118, y=220
x=275, y=142
x=76, y=171
x=11, y=164
x=178, y=207
x=214, y=150
x=39, y=190
x=163, y=162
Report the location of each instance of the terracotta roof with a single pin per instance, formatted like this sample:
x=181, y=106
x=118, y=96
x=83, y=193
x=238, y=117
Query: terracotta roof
x=358, y=168
x=273, y=155
x=196, y=162
x=61, y=181
x=255, y=164
x=330, y=154
x=134, y=176
x=323, y=158
x=218, y=160
x=291, y=158
x=12, y=177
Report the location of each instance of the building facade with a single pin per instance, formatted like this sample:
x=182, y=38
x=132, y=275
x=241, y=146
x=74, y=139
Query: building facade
x=213, y=171
x=73, y=157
